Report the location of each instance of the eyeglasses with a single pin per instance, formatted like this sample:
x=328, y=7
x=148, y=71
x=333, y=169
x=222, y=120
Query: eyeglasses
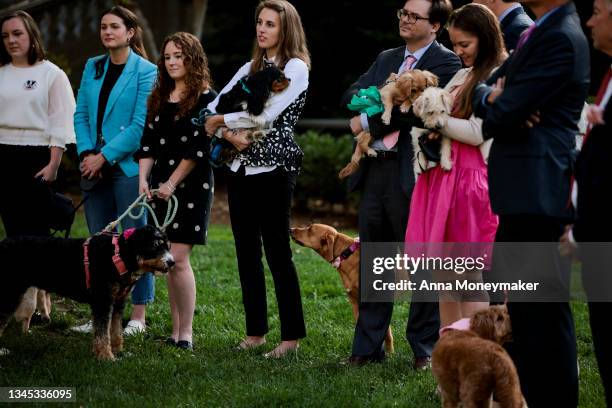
x=411, y=17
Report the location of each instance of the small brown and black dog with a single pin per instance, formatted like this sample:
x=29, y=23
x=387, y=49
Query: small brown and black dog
x=399, y=90
x=33, y=300
x=330, y=244
x=251, y=93
x=58, y=265
x=471, y=365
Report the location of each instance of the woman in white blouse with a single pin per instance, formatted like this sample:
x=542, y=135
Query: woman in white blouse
x=262, y=178
x=35, y=124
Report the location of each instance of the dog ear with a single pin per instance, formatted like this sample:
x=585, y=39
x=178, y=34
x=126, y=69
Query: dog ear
x=417, y=106
x=327, y=246
x=431, y=79
x=483, y=325
x=260, y=92
x=447, y=100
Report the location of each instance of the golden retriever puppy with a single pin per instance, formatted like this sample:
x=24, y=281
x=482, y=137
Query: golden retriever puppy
x=471, y=365
x=33, y=299
x=434, y=107
x=404, y=89
x=342, y=252
x=400, y=90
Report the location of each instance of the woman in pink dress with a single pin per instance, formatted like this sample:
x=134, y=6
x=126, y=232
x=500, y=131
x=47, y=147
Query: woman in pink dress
x=453, y=205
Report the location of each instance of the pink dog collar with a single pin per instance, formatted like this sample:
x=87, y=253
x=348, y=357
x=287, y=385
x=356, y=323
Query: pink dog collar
x=128, y=232
x=346, y=253
x=461, y=324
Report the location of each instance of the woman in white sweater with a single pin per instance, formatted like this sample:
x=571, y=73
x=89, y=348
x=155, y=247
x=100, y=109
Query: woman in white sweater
x=35, y=124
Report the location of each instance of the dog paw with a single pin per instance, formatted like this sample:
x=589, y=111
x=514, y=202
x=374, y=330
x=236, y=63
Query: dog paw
x=386, y=118
x=106, y=356
x=446, y=164
x=371, y=153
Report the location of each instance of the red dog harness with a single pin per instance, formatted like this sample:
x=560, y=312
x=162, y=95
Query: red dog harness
x=346, y=253
x=119, y=264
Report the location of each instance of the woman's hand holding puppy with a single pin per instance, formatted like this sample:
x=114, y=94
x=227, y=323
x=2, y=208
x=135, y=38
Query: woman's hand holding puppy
x=213, y=123
x=238, y=138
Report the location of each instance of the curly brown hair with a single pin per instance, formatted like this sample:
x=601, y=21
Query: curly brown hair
x=197, y=80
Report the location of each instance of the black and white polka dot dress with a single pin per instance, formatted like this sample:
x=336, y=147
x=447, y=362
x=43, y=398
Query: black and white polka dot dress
x=169, y=139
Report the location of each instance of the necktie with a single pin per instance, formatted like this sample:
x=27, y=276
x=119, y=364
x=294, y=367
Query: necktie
x=525, y=36
x=600, y=94
x=390, y=140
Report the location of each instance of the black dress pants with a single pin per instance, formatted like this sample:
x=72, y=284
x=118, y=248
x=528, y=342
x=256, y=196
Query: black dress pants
x=544, y=340
x=260, y=207
x=597, y=281
x=24, y=203
x=383, y=216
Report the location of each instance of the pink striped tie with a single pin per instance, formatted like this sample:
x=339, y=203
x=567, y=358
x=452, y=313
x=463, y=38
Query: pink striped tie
x=390, y=140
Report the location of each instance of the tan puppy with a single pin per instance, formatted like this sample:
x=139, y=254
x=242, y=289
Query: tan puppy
x=401, y=90
x=404, y=89
x=33, y=299
x=330, y=244
x=471, y=365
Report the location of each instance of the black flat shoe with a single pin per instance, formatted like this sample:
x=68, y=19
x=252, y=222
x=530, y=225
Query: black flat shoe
x=185, y=345
x=170, y=342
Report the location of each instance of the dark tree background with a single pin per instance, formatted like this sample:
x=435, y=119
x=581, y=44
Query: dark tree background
x=344, y=37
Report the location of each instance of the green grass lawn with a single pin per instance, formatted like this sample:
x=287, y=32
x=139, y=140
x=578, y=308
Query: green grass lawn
x=149, y=373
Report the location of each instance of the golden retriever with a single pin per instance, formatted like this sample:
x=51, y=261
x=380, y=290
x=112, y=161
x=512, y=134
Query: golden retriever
x=329, y=243
x=471, y=365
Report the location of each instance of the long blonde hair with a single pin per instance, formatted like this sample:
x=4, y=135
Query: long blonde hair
x=291, y=41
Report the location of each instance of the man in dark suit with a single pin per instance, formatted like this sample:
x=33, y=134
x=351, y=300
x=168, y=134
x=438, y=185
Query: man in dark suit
x=530, y=170
x=593, y=222
x=387, y=181
x=512, y=18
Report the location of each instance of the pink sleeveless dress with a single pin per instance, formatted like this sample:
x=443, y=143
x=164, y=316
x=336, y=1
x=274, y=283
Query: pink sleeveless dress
x=453, y=206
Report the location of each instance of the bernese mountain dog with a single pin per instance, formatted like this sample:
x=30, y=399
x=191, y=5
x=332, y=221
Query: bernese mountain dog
x=100, y=271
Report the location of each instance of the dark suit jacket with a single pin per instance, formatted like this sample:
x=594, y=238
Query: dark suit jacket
x=594, y=177
x=530, y=170
x=513, y=26
x=438, y=60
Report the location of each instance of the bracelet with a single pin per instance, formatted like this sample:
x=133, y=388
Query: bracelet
x=171, y=184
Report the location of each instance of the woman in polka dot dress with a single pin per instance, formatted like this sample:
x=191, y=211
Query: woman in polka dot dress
x=173, y=158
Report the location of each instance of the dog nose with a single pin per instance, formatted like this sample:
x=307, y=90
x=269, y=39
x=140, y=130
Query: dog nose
x=170, y=263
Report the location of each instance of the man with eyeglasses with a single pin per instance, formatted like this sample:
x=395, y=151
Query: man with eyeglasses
x=512, y=19
x=530, y=168
x=386, y=182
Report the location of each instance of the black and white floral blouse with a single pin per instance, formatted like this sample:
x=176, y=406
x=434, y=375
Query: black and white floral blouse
x=278, y=148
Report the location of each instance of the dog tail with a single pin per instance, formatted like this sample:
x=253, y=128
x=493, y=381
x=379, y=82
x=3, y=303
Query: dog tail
x=348, y=170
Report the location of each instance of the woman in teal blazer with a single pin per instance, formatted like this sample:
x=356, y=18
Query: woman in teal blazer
x=109, y=120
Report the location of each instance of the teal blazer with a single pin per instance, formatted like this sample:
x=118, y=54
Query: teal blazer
x=125, y=114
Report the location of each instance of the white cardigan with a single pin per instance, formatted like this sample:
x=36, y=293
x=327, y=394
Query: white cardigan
x=37, y=106
x=468, y=131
